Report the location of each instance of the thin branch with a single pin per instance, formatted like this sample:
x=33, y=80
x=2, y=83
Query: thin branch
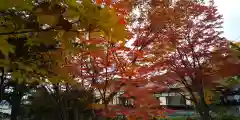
x=101, y=94
x=184, y=96
x=194, y=99
x=106, y=83
x=33, y=31
x=111, y=95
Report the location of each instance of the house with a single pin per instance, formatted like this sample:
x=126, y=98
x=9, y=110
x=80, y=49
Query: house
x=5, y=111
x=170, y=98
x=4, y=107
x=174, y=97
x=231, y=96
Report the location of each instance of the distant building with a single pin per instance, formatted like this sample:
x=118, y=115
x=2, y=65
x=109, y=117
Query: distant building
x=5, y=111
x=231, y=96
x=5, y=107
x=174, y=97
x=168, y=98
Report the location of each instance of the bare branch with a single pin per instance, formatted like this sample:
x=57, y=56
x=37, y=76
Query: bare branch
x=184, y=96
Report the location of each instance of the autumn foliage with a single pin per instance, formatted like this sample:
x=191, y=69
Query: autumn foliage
x=172, y=43
x=186, y=48
x=179, y=45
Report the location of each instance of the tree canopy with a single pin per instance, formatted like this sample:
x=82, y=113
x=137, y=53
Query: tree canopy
x=73, y=57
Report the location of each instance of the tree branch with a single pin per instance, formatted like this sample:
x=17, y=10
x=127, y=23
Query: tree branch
x=33, y=31
x=184, y=96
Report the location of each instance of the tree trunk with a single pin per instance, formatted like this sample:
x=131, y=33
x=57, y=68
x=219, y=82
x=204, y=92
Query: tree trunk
x=61, y=104
x=66, y=103
x=206, y=116
x=2, y=89
x=203, y=110
x=16, y=102
x=59, y=110
x=76, y=113
x=202, y=106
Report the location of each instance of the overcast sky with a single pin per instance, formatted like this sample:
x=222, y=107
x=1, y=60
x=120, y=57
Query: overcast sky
x=231, y=14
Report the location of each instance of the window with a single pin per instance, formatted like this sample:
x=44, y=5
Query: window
x=176, y=100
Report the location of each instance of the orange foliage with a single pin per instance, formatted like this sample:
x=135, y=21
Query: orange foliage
x=122, y=21
x=99, y=2
x=175, y=47
x=109, y=67
x=108, y=2
x=186, y=46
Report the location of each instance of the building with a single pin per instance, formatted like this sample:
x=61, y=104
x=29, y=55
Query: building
x=5, y=107
x=170, y=98
x=174, y=97
x=231, y=95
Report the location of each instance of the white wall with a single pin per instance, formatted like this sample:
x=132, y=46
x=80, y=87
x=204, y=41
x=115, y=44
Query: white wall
x=163, y=100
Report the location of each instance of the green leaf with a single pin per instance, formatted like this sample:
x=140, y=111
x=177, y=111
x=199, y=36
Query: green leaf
x=47, y=38
x=4, y=63
x=41, y=71
x=97, y=34
x=71, y=3
x=4, y=4
x=18, y=4
x=109, y=22
x=72, y=14
x=89, y=14
x=119, y=33
x=18, y=76
x=67, y=39
x=8, y=23
x=73, y=11
x=5, y=47
x=55, y=79
x=25, y=67
x=47, y=19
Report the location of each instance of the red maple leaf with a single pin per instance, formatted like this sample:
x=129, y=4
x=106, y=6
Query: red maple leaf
x=108, y=2
x=99, y=2
x=122, y=21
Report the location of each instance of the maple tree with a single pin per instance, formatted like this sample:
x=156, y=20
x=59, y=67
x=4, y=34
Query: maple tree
x=106, y=65
x=180, y=61
x=186, y=47
x=93, y=43
x=46, y=31
x=68, y=42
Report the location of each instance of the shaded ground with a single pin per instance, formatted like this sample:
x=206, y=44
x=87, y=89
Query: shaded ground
x=183, y=114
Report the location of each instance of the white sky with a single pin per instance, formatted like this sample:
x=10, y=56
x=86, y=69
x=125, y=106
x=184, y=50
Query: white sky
x=230, y=9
